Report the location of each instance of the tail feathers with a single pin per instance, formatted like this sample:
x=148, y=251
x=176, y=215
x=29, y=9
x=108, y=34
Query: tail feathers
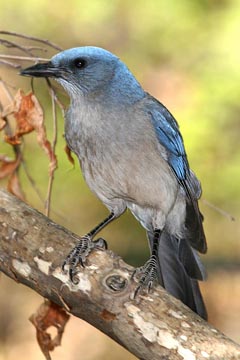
x=191, y=261
x=194, y=225
x=178, y=269
x=198, y=300
x=194, y=218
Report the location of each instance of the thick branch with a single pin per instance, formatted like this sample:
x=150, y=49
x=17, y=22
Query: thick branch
x=156, y=326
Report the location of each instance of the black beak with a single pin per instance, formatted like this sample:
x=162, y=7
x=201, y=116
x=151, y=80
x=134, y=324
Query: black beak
x=41, y=70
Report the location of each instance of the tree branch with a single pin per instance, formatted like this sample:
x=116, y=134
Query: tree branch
x=157, y=326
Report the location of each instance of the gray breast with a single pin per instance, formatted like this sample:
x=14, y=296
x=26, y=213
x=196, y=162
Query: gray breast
x=120, y=156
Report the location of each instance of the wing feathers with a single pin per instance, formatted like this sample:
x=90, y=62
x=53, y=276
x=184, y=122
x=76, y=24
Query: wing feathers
x=168, y=134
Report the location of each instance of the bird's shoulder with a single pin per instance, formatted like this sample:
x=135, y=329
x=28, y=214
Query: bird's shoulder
x=165, y=126
x=168, y=134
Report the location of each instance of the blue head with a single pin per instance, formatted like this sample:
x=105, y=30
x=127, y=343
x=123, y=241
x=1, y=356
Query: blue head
x=90, y=71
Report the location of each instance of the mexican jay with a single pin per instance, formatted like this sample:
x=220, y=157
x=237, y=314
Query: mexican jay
x=132, y=157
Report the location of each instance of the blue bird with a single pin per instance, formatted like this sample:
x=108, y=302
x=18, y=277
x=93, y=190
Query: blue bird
x=132, y=157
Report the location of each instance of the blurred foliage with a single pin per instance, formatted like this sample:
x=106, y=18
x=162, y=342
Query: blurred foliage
x=187, y=54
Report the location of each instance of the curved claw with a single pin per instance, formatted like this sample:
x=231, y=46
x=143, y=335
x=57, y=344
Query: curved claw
x=149, y=286
x=136, y=291
x=101, y=244
x=148, y=274
x=137, y=271
x=71, y=275
x=79, y=254
x=63, y=265
x=134, y=273
x=81, y=262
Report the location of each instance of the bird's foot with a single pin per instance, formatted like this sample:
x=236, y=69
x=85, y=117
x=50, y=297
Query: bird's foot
x=147, y=274
x=78, y=255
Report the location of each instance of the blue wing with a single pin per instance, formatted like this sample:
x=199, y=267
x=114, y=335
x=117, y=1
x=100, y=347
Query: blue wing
x=169, y=136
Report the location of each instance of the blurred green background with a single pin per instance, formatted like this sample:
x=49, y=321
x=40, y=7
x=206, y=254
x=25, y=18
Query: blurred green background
x=187, y=54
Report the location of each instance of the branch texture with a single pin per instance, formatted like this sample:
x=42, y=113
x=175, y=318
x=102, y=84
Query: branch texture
x=156, y=326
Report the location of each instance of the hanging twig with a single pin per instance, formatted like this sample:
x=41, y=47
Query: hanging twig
x=11, y=64
x=6, y=90
x=32, y=181
x=11, y=44
x=54, y=93
x=14, y=61
x=23, y=36
x=22, y=58
x=218, y=209
x=53, y=163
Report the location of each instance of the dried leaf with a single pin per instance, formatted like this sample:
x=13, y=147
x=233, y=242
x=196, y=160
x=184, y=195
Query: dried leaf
x=37, y=121
x=69, y=155
x=29, y=117
x=14, y=186
x=3, y=123
x=12, y=140
x=24, y=112
x=47, y=315
x=8, y=166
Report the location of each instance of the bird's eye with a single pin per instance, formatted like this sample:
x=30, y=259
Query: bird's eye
x=80, y=63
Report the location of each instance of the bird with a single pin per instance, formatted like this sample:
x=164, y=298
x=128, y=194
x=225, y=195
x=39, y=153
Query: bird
x=132, y=156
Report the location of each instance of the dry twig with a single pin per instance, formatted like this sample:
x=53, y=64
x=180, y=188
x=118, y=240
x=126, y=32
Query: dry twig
x=23, y=36
x=53, y=164
x=14, y=61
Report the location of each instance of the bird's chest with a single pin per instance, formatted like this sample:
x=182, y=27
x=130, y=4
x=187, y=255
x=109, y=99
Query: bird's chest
x=89, y=136
x=81, y=132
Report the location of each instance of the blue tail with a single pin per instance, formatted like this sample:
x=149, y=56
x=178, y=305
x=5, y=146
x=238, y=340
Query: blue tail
x=179, y=269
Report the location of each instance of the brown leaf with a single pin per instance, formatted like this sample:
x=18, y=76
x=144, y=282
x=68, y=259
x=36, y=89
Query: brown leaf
x=37, y=122
x=23, y=110
x=14, y=186
x=12, y=140
x=69, y=154
x=29, y=117
x=47, y=315
x=3, y=123
x=8, y=166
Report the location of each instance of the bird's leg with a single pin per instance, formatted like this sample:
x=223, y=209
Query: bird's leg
x=148, y=271
x=80, y=252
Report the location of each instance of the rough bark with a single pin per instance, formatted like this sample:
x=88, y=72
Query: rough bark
x=156, y=326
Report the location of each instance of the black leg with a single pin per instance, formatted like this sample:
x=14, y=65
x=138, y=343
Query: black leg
x=80, y=252
x=155, y=247
x=148, y=272
x=100, y=226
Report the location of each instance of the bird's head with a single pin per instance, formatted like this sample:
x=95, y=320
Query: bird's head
x=87, y=70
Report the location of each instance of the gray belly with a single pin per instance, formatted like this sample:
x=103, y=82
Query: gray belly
x=126, y=169
x=151, y=194
x=155, y=218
